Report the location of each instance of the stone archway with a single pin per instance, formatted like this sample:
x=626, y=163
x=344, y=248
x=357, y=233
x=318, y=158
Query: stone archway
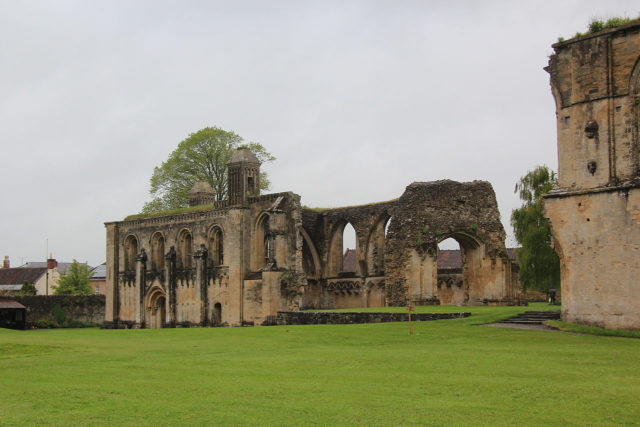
x=156, y=309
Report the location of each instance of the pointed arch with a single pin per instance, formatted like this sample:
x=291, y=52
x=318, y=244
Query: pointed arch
x=313, y=253
x=375, y=246
x=215, y=243
x=261, y=242
x=335, y=256
x=157, y=251
x=130, y=252
x=184, y=249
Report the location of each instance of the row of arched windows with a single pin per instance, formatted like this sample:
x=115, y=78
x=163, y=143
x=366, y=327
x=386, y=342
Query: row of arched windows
x=183, y=247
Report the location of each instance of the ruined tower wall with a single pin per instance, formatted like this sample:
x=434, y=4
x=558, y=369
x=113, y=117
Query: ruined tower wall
x=428, y=213
x=594, y=212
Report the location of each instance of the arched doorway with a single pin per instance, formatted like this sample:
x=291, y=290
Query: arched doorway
x=459, y=263
x=156, y=309
x=217, y=314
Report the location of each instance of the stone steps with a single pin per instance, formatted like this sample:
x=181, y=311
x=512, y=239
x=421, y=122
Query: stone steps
x=533, y=317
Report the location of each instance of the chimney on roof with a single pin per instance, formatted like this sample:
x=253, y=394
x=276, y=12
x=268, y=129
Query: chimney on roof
x=6, y=263
x=51, y=263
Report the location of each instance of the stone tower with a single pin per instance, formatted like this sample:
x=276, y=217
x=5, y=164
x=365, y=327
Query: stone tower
x=244, y=176
x=201, y=194
x=595, y=212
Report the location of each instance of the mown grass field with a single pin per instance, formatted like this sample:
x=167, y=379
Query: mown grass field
x=449, y=372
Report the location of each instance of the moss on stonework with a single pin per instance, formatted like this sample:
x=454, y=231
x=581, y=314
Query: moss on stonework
x=200, y=208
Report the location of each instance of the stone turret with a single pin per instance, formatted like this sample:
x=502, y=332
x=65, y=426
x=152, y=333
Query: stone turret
x=244, y=176
x=201, y=194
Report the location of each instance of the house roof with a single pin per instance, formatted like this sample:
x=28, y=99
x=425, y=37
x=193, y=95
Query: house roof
x=449, y=258
x=9, y=303
x=62, y=266
x=349, y=260
x=99, y=272
x=17, y=276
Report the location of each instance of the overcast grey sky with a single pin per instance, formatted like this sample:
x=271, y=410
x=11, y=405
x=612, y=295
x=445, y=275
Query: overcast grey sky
x=356, y=99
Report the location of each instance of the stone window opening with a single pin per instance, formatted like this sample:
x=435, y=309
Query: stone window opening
x=349, y=260
x=216, y=246
x=185, y=250
x=157, y=251
x=130, y=252
x=262, y=250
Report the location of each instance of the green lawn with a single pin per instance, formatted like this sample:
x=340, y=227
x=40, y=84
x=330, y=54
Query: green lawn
x=449, y=372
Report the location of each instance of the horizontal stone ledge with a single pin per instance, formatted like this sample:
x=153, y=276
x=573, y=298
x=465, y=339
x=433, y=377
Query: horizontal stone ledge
x=342, y=318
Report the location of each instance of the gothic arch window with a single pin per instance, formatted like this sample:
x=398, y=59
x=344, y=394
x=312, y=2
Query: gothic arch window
x=216, y=246
x=184, y=259
x=130, y=252
x=157, y=251
x=262, y=246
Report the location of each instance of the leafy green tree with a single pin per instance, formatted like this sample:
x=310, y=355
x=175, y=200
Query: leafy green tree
x=202, y=156
x=539, y=263
x=76, y=281
x=28, y=289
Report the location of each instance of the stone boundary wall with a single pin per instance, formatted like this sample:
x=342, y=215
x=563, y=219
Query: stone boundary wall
x=341, y=318
x=84, y=308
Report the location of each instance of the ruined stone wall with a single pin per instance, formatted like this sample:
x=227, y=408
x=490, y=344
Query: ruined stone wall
x=83, y=308
x=183, y=270
x=594, y=212
x=400, y=267
x=428, y=213
x=328, y=318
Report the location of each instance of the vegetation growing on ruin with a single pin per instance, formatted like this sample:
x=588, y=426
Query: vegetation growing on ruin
x=347, y=207
x=202, y=156
x=598, y=24
x=314, y=209
x=169, y=212
x=447, y=373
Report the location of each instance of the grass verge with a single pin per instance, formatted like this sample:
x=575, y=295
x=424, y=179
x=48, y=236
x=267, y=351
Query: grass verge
x=591, y=330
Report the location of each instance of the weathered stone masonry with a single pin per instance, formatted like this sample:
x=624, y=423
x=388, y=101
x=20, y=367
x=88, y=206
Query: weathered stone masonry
x=401, y=266
x=243, y=260
x=595, y=212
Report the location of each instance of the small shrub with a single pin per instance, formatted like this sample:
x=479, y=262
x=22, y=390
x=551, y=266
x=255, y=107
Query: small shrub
x=45, y=324
x=419, y=241
x=596, y=25
x=560, y=39
x=59, y=314
x=474, y=227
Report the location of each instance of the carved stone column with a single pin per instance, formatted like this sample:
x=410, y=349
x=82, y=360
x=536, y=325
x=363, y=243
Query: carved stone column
x=170, y=272
x=201, y=282
x=141, y=283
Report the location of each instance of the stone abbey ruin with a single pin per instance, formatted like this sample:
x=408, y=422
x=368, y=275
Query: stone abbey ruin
x=595, y=212
x=242, y=260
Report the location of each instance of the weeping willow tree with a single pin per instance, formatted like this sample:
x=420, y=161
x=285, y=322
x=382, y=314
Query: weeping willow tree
x=539, y=263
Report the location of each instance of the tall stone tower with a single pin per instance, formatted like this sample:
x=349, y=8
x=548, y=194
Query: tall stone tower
x=595, y=212
x=244, y=176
